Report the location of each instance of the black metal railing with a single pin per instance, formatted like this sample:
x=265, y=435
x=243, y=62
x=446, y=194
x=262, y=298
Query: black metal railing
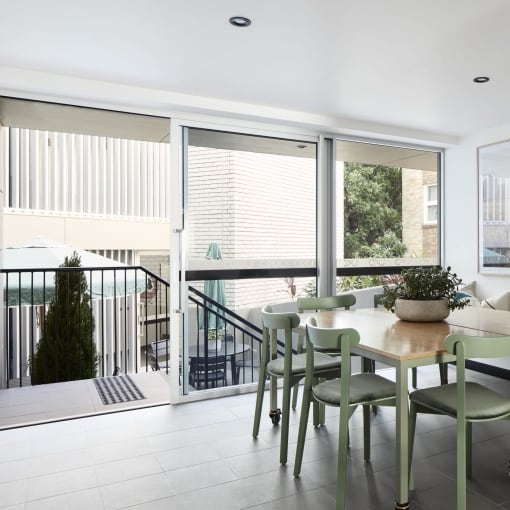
x=231, y=335
x=131, y=314
x=129, y=306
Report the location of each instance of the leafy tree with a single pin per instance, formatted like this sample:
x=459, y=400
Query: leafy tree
x=372, y=220
x=372, y=211
x=66, y=351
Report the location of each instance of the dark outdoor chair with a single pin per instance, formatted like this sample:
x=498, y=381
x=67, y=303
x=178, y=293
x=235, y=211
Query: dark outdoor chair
x=208, y=371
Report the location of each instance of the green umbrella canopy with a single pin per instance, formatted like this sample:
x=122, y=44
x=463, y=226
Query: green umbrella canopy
x=215, y=289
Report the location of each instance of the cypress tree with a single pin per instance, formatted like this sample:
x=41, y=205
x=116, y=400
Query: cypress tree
x=66, y=350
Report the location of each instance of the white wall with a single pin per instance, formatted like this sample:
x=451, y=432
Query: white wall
x=461, y=212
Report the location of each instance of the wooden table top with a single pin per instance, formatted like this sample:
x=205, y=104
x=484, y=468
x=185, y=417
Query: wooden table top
x=383, y=333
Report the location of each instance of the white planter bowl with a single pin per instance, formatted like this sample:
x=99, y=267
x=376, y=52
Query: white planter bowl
x=421, y=311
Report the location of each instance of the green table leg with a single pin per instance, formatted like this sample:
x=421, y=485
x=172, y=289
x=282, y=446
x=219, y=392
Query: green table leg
x=402, y=443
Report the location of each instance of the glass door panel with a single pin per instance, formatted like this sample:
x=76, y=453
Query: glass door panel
x=250, y=213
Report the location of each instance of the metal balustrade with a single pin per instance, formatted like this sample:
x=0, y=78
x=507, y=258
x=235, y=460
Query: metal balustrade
x=130, y=306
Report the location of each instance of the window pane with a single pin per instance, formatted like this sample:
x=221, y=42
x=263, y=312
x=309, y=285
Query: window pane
x=432, y=193
x=254, y=197
x=380, y=204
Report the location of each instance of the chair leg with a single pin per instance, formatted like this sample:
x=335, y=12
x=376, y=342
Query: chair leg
x=303, y=423
x=295, y=393
x=415, y=377
x=443, y=373
x=284, y=434
x=461, y=464
x=469, y=449
x=342, y=459
x=366, y=433
x=260, y=400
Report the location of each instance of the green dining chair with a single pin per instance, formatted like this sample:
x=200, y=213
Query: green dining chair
x=443, y=367
x=467, y=402
x=290, y=367
x=347, y=392
x=315, y=304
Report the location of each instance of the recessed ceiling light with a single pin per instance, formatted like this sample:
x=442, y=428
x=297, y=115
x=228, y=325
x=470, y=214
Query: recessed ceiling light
x=481, y=79
x=240, y=21
x=301, y=146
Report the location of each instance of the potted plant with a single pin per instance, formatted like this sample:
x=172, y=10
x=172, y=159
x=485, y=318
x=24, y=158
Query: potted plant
x=423, y=294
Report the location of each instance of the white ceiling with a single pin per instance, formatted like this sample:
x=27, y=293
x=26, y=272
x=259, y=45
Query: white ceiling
x=403, y=63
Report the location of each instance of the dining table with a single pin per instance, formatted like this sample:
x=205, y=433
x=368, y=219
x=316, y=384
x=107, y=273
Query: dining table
x=404, y=345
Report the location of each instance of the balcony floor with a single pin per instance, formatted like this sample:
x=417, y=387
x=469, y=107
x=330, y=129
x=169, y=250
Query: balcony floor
x=50, y=402
x=202, y=455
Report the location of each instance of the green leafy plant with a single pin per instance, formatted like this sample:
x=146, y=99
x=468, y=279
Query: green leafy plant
x=423, y=284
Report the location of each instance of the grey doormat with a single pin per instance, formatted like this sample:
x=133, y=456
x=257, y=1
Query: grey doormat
x=114, y=390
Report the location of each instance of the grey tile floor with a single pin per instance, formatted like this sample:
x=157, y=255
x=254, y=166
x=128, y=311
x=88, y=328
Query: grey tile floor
x=202, y=455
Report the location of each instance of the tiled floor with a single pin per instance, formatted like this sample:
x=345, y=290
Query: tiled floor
x=202, y=455
x=47, y=402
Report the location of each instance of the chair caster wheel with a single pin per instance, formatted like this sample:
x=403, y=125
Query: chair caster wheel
x=275, y=416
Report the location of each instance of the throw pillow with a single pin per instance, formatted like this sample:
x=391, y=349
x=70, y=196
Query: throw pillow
x=500, y=302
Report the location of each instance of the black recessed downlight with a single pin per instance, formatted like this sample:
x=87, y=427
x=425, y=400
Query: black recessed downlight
x=481, y=79
x=240, y=21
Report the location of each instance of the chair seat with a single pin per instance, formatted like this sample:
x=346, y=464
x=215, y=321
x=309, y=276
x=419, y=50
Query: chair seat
x=321, y=362
x=364, y=388
x=481, y=403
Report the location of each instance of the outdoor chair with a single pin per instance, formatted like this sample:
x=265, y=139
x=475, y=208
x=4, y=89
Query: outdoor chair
x=290, y=367
x=443, y=367
x=467, y=402
x=208, y=371
x=156, y=363
x=346, y=392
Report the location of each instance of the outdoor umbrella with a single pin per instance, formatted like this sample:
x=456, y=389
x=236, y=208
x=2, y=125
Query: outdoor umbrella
x=215, y=289
x=38, y=288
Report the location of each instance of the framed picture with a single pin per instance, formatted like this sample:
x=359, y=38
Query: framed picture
x=494, y=207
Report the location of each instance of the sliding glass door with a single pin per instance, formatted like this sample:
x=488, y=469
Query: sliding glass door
x=250, y=239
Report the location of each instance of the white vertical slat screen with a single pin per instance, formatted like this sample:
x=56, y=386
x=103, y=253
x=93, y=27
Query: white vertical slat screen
x=13, y=175
x=82, y=174
x=43, y=189
x=24, y=167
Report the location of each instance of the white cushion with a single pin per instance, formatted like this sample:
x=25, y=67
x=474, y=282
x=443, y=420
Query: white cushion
x=467, y=293
x=500, y=302
x=469, y=288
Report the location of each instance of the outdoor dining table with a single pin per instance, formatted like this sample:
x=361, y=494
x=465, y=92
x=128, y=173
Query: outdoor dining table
x=403, y=345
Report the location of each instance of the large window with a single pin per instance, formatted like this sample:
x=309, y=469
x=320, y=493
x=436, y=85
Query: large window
x=384, y=216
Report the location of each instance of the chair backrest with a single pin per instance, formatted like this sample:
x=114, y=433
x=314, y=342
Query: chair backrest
x=378, y=300
x=465, y=346
x=272, y=322
x=331, y=339
x=153, y=362
x=325, y=303
x=477, y=346
x=208, y=364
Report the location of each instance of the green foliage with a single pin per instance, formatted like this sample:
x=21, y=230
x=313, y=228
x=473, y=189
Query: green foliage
x=372, y=211
x=424, y=284
x=372, y=220
x=345, y=283
x=66, y=351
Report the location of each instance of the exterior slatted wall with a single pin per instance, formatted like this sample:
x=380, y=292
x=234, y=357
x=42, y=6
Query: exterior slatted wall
x=85, y=175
